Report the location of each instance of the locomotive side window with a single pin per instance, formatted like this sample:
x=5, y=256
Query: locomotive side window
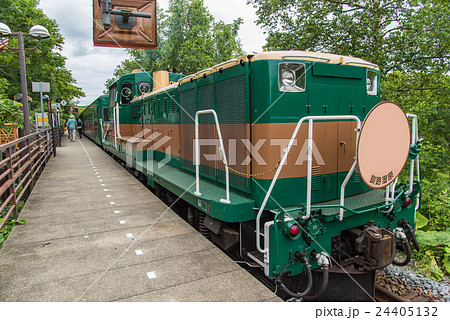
x=291, y=77
x=372, y=83
x=126, y=93
x=105, y=114
x=135, y=111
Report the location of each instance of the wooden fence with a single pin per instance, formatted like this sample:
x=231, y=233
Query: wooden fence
x=8, y=134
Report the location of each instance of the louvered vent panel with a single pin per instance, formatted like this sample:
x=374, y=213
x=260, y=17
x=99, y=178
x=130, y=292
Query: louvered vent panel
x=231, y=98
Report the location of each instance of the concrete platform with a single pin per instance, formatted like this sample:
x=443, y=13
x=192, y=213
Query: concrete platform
x=94, y=233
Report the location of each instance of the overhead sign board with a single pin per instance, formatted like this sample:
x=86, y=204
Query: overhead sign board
x=125, y=24
x=36, y=86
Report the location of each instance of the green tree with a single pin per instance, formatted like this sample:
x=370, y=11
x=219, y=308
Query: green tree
x=45, y=63
x=9, y=109
x=394, y=34
x=427, y=94
x=189, y=40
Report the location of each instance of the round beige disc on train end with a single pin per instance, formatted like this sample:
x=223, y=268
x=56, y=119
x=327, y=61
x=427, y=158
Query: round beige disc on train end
x=383, y=145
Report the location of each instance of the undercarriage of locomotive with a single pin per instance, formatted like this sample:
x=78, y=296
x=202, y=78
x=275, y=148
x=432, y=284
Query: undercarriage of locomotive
x=349, y=273
x=346, y=273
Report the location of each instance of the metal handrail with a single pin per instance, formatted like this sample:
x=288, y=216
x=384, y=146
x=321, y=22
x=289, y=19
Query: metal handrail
x=22, y=160
x=202, y=71
x=414, y=139
x=299, y=56
x=116, y=121
x=363, y=63
x=197, y=156
x=310, y=120
x=224, y=63
x=327, y=206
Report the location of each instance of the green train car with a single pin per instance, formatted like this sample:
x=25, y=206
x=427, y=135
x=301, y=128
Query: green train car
x=92, y=118
x=286, y=159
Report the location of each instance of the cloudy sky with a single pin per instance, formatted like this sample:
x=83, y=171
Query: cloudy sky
x=91, y=66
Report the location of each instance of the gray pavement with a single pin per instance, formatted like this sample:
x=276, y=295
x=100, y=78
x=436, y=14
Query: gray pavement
x=94, y=233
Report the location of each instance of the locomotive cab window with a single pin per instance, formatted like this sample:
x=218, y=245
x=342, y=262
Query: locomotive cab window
x=291, y=77
x=112, y=95
x=126, y=93
x=372, y=83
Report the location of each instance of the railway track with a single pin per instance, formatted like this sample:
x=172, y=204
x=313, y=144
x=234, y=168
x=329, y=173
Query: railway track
x=384, y=295
x=381, y=294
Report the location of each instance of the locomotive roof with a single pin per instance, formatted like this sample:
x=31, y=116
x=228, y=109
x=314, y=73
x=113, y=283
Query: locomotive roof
x=313, y=56
x=170, y=86
x=274, y=55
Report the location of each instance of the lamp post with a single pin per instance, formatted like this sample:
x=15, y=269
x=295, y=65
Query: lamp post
x=37, y=32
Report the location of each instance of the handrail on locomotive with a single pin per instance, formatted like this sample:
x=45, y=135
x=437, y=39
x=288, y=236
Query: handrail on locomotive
x=390, y=199
x=414, y=140
x=310, y=120
x=197, y=155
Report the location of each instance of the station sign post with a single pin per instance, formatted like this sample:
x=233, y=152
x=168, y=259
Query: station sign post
x=41, y=87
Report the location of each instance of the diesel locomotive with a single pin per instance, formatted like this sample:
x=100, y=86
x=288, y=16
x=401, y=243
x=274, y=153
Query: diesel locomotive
x=287, y=159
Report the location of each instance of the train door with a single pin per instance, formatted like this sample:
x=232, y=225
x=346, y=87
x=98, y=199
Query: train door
x=322, y=101
x=148, y=123
x=111, y=131
x=149, y=120
x=351, y=102
x=143, y=115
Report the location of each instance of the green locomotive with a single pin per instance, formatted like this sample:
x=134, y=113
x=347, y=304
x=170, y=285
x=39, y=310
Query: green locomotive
x=266, y=153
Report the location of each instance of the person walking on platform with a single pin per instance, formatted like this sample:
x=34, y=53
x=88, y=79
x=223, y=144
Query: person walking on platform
x=79, y=127
x=72, y=127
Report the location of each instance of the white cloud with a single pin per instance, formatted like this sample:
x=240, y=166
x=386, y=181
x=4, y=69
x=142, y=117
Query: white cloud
x=251, y=35
x=92, y=66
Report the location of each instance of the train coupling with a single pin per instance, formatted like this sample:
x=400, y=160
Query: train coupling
x=376, y=245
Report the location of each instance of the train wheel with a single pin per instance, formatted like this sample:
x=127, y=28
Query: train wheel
x=201, y=226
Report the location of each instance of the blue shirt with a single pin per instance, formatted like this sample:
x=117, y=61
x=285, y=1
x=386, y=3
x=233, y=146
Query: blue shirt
x=72, y=124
